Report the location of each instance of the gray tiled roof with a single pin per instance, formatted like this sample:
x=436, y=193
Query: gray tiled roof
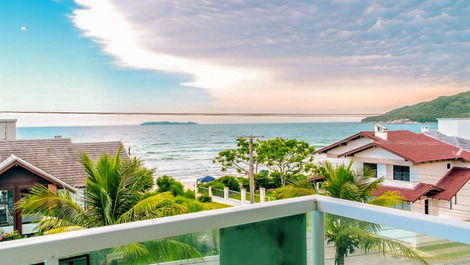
x=58, y=157
x=455, y=141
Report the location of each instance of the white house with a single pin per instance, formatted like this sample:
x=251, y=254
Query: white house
x=431, y=169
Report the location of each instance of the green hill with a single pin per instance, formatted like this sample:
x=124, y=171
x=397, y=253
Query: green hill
x=456, y=106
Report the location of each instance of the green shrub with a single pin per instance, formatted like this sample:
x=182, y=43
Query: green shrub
x=191, y=204
x=244, y=182
x=167, y=183
x=230, y=182
x=263, y=180
x=217, y=185
x=190, y=194
x=205, y=198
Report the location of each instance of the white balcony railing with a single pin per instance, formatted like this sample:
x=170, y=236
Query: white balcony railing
x=49, y=248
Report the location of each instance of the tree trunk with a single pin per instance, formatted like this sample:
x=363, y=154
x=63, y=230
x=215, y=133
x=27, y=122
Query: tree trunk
x=339, y=257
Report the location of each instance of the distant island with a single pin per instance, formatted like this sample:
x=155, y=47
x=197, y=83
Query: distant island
x=456, y=106
x=168, y=123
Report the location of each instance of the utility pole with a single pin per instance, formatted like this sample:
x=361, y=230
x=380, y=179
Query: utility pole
x=251, y=166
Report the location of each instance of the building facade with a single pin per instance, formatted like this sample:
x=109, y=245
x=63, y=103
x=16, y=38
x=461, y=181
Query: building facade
x=54, y=163
x=430, y=170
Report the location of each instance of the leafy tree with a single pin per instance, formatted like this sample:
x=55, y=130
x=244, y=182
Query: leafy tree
x=288, y=157
x=113, y=195
x=238, y=158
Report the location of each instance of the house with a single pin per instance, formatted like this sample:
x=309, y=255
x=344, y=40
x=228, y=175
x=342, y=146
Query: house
x=430, y=170
x=54, y=163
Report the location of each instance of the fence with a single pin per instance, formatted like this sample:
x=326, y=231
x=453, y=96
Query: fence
x=265, y=223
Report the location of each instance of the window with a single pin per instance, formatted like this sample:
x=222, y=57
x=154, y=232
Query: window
x=448, y=165
x=370, y=169
x=426, y=206
x=406, y=206
x=401, y=173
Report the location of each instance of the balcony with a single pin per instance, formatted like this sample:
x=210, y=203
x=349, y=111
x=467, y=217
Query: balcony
x=281, y=232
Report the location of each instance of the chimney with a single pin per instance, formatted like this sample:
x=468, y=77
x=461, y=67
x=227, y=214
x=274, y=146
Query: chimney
x=7, y=129
x=380, y=131
x=455, y=127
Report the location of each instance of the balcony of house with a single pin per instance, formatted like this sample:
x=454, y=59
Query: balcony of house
x=304, y=230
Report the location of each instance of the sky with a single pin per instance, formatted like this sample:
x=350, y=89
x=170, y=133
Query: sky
x=337, y=56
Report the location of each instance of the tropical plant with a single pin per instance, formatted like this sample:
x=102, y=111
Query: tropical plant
x=347, y=234
x=113, y=194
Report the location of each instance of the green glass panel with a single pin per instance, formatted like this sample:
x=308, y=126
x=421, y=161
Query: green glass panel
x=273, y=242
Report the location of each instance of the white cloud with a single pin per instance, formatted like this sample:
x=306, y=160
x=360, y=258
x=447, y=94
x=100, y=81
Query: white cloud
x=294, y=55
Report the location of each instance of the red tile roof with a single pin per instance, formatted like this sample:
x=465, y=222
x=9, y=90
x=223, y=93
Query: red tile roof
x=452, y=182
x=415, y=147
x=410, y=195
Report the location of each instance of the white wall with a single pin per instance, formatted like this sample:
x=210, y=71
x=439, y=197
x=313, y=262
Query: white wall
x=7, y=129
x=350, y=146
x=455, y=127
x=378, y=153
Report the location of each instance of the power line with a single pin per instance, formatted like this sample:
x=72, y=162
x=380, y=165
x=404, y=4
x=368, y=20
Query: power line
x=245, y=114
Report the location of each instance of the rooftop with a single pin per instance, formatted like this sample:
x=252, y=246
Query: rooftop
x=58, y=157
x=415, y=147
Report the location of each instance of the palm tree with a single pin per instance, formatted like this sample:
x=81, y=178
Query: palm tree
x=113, y=194
x=347, y=234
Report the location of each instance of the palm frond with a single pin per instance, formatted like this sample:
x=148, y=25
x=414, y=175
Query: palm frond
x=59, y=205
x=64, y=229
x=158, y=205
x=386, y=245
x=387, y=199
x=158, y=251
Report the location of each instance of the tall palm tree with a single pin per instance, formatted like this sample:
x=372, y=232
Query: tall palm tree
x=113, y=194
x=347, y=234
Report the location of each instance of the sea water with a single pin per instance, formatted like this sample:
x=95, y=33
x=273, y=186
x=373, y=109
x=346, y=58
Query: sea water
x=186, y=151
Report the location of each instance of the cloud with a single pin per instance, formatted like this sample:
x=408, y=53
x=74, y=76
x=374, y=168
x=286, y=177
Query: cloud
x=294, y=55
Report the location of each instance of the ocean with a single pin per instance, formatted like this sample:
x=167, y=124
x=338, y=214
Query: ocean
x=186, y=151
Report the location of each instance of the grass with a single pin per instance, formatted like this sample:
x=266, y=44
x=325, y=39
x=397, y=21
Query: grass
x=214, y=205
x=238, y=196
x=441, y=246
x=453, y=250
x=455, y=254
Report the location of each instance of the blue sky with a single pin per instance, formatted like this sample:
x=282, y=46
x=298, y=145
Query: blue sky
x=235, y=55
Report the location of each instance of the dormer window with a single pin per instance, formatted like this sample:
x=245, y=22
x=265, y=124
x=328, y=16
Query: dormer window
x=401, y=173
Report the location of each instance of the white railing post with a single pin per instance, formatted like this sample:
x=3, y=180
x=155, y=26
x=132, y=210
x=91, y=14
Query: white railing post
x=210, y=192
x=51, y=261
x=262, y=194
x=226, y=193
x=318, y=238
x=243, y=195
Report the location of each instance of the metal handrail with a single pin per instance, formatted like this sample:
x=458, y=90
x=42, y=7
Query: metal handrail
x=36, y=249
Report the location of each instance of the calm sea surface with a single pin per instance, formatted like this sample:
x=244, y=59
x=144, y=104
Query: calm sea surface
x=186, y=151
